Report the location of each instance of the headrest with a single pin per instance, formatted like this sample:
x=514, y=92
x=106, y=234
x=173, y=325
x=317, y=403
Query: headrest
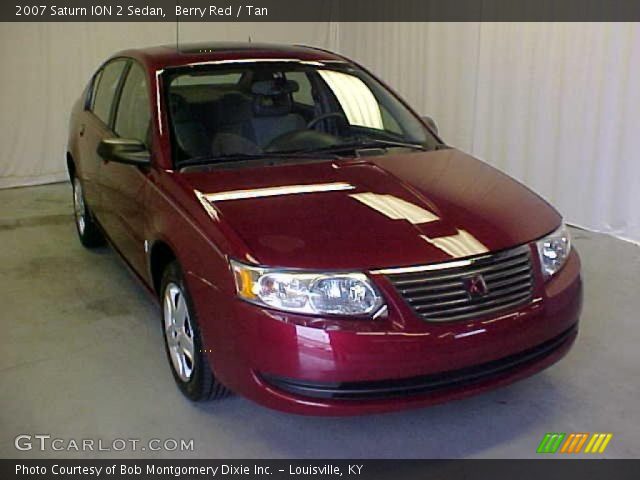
x=274, y=87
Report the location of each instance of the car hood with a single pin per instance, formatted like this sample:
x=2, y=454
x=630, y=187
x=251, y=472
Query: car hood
x=373, y=212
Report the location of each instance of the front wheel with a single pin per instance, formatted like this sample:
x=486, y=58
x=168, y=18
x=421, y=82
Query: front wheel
x=183, y=341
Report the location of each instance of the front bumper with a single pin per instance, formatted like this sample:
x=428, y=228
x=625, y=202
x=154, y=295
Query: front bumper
x=424, y=384
x=344, y=367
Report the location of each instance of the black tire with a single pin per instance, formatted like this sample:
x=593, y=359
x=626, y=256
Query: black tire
x=88, y=230
x=200, y=384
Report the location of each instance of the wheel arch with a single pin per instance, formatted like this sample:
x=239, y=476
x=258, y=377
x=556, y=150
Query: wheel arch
x=161, y=254
x=71, y=166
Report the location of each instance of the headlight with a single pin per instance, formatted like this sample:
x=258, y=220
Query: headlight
x=307, y=293
x=553, y=250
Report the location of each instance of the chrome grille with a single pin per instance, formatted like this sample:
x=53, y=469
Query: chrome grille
x=438, y=293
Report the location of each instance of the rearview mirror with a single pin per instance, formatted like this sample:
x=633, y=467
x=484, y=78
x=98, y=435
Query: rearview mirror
x=124, y=150
x=431, y=122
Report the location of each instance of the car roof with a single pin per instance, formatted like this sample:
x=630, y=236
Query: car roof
x=166, y=56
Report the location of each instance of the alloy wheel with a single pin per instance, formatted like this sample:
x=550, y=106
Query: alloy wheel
x=79, y=208
x=178, y=331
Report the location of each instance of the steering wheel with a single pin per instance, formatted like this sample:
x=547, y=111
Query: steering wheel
x=319, y=118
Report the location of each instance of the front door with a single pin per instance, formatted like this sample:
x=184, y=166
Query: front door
x=94, y=126
x=123, y=187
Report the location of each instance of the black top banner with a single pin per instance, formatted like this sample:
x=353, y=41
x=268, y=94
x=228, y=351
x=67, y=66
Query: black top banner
x=320, y=10
x=321, y=469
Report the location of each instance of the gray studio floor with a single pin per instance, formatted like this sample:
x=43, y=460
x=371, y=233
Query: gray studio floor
x=81, y=356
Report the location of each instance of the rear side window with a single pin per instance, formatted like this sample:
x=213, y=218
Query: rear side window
x=106, y=89
x=133, y=115
x=91, y=96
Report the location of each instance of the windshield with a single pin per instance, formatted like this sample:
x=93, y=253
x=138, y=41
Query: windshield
x=245, y=110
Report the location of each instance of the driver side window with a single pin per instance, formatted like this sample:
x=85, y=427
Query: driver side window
x=133, y=114
x=107, y=84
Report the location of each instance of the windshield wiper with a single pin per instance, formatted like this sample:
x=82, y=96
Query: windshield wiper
x=362, y=145
x=379, y=142
x=238, y=157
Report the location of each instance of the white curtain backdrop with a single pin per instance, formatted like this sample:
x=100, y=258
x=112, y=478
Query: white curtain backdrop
x=45, y=66
x=556, y=105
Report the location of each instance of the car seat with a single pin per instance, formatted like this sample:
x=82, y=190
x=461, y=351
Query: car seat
x=190, y=134
x=272, y=114
x=234, y=130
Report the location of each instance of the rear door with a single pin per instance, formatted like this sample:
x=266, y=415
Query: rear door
x=123, y=186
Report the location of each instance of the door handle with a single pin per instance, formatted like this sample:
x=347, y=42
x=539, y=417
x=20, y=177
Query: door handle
x=82, y=128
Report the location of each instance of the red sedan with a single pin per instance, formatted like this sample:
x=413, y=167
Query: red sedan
x=313, y=243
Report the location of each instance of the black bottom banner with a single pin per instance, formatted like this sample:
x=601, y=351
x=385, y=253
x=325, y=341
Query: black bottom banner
x=320, y=469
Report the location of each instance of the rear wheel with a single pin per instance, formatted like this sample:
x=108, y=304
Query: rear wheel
x=183, y=341
x=88, y=230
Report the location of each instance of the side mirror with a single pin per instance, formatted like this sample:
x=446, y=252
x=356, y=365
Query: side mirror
x=431, y=122
x=124, y=150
